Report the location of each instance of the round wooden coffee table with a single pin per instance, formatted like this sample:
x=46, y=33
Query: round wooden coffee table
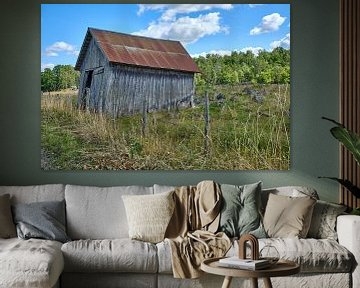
x=281, y=268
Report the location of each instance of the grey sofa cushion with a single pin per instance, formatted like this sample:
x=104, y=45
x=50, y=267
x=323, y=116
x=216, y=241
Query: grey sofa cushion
x=98, y=213
x=44, y=220
x=117, y=255
x=30, y=263
x=35, y=193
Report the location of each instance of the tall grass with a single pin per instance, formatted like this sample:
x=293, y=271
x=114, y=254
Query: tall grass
x=243, y=135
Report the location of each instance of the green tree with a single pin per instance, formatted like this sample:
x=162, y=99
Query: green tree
x=48, y=82
x=65, y=76
x=239, y=67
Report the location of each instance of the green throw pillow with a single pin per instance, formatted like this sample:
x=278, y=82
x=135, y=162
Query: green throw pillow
x=240, y=213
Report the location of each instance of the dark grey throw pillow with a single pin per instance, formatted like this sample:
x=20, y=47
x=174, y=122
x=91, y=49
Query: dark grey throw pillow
x=240, y=213
x=43, y=220
x=7, y=227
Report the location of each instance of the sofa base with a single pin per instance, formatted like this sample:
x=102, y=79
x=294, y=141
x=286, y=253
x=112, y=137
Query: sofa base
x=108, y=280
x=328, y=280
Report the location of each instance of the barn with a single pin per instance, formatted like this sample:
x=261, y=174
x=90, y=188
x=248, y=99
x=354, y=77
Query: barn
x=123, y=74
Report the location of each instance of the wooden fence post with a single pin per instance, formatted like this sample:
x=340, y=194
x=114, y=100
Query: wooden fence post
x=144, y=118
x=207, y=123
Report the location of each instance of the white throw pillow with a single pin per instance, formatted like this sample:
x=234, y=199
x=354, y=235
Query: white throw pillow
x=149, y=215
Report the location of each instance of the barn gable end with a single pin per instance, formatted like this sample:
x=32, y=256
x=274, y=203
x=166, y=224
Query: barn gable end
x=124, y=74
x=92, y=85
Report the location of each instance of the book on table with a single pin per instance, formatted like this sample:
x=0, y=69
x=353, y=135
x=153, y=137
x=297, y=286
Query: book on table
x=249, y=264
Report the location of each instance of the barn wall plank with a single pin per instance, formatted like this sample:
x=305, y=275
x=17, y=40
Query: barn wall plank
x=130, y=87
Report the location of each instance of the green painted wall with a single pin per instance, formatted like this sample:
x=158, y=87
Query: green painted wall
x=315, y=50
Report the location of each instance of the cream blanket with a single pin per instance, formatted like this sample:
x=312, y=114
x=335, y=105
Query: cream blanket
x=191, y=231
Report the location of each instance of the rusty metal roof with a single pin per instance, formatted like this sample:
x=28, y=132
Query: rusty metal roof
x=139, y=51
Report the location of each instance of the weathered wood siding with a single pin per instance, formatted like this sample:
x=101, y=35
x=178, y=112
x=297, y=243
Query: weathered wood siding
x=130, y=88
x=96, y=61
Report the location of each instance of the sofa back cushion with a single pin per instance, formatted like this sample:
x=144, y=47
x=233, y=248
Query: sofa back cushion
x=98, y=212
x=36, y=193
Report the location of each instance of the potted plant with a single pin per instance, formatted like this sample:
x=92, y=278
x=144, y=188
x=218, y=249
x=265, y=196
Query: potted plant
x=351, y=141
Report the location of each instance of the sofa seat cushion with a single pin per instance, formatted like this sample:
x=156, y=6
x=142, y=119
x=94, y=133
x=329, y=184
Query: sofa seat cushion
x=313, y=255
x=30, y=263
x=115, y=255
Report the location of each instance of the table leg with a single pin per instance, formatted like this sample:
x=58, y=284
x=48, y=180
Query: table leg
x=254, y=282
x=227, y=282
x=267, y=283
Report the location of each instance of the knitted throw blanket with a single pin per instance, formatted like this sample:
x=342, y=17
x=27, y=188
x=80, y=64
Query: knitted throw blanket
x=191, y=232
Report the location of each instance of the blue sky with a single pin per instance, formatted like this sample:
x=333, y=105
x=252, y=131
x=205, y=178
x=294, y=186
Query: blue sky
x=202, y=28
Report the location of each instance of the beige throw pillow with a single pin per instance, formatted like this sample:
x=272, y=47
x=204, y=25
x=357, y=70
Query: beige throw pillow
x=148, y=215
x=7, y=226
x=288, y=217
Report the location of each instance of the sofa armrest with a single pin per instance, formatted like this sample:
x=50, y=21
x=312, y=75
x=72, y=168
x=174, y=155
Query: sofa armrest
x=348, y=230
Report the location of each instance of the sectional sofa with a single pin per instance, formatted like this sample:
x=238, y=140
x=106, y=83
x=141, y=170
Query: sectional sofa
x=100, y=253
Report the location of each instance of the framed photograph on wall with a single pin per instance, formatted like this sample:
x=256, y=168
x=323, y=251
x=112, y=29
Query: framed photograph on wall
x=165, y=86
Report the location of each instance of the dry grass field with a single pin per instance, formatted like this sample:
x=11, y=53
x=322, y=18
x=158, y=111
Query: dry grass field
x=249, y=129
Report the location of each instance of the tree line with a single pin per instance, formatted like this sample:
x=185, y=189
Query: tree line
x=245, y=67
x=239, y=67
x=58, y=78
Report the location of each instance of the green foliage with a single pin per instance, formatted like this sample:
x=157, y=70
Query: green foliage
x=135, y=147
x=347, y=184
x=244, y=67
x=348, y=138
x=62, y=144
x=48, y=82
x=351, y=141
x=355, y=211
x=60, y=77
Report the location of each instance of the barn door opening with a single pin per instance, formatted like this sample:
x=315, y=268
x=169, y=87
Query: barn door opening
x=89, y=78
x=85, y=95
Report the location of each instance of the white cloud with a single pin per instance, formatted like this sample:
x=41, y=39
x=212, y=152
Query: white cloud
x=170, y=11
x=51, y=53
x=283, y=42
x=47, y=65
x=145, y=7
x=254, y=50
x=216, y=52
x=255, y=5
x=269, y=23
x=185, y=29
x=61, y=46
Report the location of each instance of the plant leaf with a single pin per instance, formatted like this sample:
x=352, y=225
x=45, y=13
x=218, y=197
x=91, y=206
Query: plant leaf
x=348, y=138
x=347, y=184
